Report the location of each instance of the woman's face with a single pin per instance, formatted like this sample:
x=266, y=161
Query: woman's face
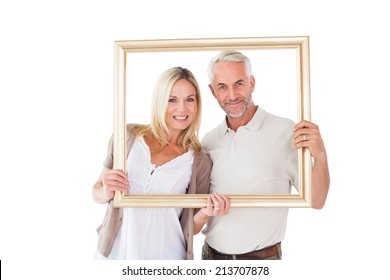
x=182, y=106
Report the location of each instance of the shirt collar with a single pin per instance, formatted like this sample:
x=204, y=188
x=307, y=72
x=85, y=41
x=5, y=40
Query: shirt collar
x=253, y=124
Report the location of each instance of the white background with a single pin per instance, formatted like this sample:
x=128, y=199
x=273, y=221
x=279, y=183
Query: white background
x=56, y=88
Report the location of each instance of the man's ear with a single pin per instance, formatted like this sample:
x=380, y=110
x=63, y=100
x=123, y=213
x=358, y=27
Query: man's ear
x=212, y=90
x=252, y=82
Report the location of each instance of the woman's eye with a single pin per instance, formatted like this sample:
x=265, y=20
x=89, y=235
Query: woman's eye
x=172, y=100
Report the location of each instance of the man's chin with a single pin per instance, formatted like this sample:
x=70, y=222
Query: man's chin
x=235, y=114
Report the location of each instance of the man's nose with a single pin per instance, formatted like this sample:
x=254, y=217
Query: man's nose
x=231, y=93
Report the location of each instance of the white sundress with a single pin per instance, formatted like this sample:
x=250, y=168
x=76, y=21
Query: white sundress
x=152, y=233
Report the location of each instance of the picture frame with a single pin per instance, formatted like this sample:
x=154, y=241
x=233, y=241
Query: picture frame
x=299, y=46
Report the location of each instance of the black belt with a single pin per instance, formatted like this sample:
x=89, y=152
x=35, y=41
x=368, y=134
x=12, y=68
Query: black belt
x=261, y=254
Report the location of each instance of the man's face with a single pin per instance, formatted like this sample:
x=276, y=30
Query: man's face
x=232, y=88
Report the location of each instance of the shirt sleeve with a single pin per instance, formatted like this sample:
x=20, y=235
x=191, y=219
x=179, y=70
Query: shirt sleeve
x=109, y=161
x=203, y=172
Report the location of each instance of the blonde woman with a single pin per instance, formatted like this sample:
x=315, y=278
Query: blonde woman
x=164, y=157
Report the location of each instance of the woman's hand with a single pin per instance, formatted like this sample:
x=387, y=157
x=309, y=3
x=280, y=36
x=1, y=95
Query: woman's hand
x=110, y=180
x=217, y=205
x=114, y=180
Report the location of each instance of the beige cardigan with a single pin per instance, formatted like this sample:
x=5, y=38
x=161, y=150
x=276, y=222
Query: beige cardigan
x=200, y=184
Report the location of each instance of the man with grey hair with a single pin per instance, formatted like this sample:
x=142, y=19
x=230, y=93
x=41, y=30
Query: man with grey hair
x=254, y=152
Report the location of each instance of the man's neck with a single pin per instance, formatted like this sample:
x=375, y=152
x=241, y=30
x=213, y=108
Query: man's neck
x=235, y=123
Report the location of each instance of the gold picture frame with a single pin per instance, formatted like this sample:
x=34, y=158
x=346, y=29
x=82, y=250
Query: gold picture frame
x=299, y=44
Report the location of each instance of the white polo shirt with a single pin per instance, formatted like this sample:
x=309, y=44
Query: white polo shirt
x=257, y=159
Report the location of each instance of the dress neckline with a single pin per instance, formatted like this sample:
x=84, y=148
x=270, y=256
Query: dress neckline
x=147, y=150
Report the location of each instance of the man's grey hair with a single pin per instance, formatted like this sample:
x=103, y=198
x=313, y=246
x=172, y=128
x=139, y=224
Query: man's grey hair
x=229, y=56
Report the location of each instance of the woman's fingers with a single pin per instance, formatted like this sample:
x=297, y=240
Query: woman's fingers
x=115, y=180
x=220, y=203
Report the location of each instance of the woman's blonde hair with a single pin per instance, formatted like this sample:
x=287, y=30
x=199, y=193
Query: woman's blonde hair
x=158, y=128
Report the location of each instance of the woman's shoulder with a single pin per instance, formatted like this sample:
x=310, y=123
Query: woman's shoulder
x=131, y=126
x=136, y=129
